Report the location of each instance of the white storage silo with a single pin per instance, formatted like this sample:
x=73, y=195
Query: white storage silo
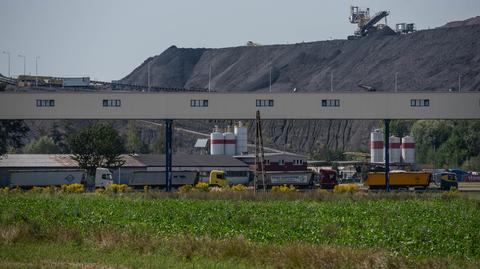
x=241, y=135
x=395, y=152
x=408, y=149
x=217, y=143
x=376, y=147
x=230, y=142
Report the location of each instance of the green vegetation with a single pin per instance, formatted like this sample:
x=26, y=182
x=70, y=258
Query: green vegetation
x=448, y=143
x=134, y=144
x=43, y=145
x=98, y=145
x=11, y=134
x=312, y=230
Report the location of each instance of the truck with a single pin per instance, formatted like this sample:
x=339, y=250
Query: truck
x=446, y=180
x=327, y=178
x=56, y=177
x=156, y=179
x=398, y=179
x=300, y=179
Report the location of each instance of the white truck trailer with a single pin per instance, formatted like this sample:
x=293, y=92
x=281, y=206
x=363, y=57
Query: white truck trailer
x=57, y=177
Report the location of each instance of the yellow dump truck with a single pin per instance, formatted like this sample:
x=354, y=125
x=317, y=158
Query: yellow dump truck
x=217, y=178
x=398, y=179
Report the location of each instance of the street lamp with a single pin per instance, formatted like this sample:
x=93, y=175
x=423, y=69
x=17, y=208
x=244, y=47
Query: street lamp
x=8, y=54
x=24, y=63
x=36, y=70
x=210, y=78
x=331, y=82
x=396, y=81
x=148, y=76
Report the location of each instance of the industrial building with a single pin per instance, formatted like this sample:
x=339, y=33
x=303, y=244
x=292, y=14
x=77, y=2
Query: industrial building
x=281, y=167
x=237, y=171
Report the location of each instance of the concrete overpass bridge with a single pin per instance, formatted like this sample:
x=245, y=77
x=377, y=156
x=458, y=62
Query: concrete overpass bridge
x=204, y=105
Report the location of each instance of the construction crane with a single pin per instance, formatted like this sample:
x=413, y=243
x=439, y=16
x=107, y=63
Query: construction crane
x=364, y=21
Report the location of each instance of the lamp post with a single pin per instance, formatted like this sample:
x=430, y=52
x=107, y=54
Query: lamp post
x=459, y=82
x=36, y=70
x=331, y=82
x=270, y=87
x=8, y=54
x=210, y=78
x=148, y=75
x=24, y=63
x=396, y=81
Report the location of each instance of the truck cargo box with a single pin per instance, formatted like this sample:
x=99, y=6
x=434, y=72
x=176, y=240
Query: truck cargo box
x=30, y=178
x=157, y=178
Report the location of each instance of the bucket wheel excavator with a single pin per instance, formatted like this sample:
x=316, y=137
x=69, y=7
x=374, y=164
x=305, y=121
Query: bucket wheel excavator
x=365, y=22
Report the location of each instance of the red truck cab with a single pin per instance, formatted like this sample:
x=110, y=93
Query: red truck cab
x=328, y=178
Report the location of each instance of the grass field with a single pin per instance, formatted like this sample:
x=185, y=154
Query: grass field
x=239, y=231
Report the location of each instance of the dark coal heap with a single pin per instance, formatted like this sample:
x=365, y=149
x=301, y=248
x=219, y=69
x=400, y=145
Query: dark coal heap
x=425, y=60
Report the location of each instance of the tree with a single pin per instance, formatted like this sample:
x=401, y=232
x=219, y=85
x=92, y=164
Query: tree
x=98, y=145
x=401, y=128
x=12, y=133
x=59, y=133
x=43, y=145
x=429, y=136
x=134, y=143
x=159, y=145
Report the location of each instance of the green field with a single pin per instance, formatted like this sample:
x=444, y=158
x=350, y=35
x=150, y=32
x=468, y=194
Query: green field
x=144, y=231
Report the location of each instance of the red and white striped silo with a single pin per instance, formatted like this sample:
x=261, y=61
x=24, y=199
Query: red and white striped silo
x=395, y=152
x=408, y=149
x=217, y=142
x=230, y=142
x=376, y=147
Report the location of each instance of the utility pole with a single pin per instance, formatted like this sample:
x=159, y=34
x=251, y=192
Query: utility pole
x=259, y=154
x=270, y=89
x=8, y=54
x=331, y=82
x=210, y=78
x=148, y=75
x=459, y=82
x=36, y=70
x=24, y=63
x=387, y=153
x=396, y=81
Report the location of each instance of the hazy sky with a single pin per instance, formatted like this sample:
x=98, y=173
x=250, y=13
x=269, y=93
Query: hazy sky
x=107, y=39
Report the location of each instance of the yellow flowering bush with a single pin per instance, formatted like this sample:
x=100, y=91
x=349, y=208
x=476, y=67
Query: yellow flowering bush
x=202, y=186
x=4, y=190
x=238, y=187
x=100, y=190
x=284, y=188
x=343, y=188
x=36, y=189
x=185, y=188
x=118, y=188
x=73, y=188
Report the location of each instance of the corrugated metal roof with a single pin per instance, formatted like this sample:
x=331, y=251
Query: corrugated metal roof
x=182, y=159
x=53, y=160
x=37, y=160
x=65, y=160
x=201, y=143
x=268, y=154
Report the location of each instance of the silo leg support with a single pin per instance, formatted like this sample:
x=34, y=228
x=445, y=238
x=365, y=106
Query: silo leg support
x=387, y=154
x=168, y=155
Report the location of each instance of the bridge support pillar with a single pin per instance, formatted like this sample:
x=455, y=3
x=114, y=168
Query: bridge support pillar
x=168, y=155
x=387, y=154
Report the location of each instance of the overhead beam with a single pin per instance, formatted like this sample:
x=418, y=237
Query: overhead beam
x=174, y=106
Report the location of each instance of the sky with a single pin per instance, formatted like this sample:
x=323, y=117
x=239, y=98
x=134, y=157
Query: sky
x=107, y=39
